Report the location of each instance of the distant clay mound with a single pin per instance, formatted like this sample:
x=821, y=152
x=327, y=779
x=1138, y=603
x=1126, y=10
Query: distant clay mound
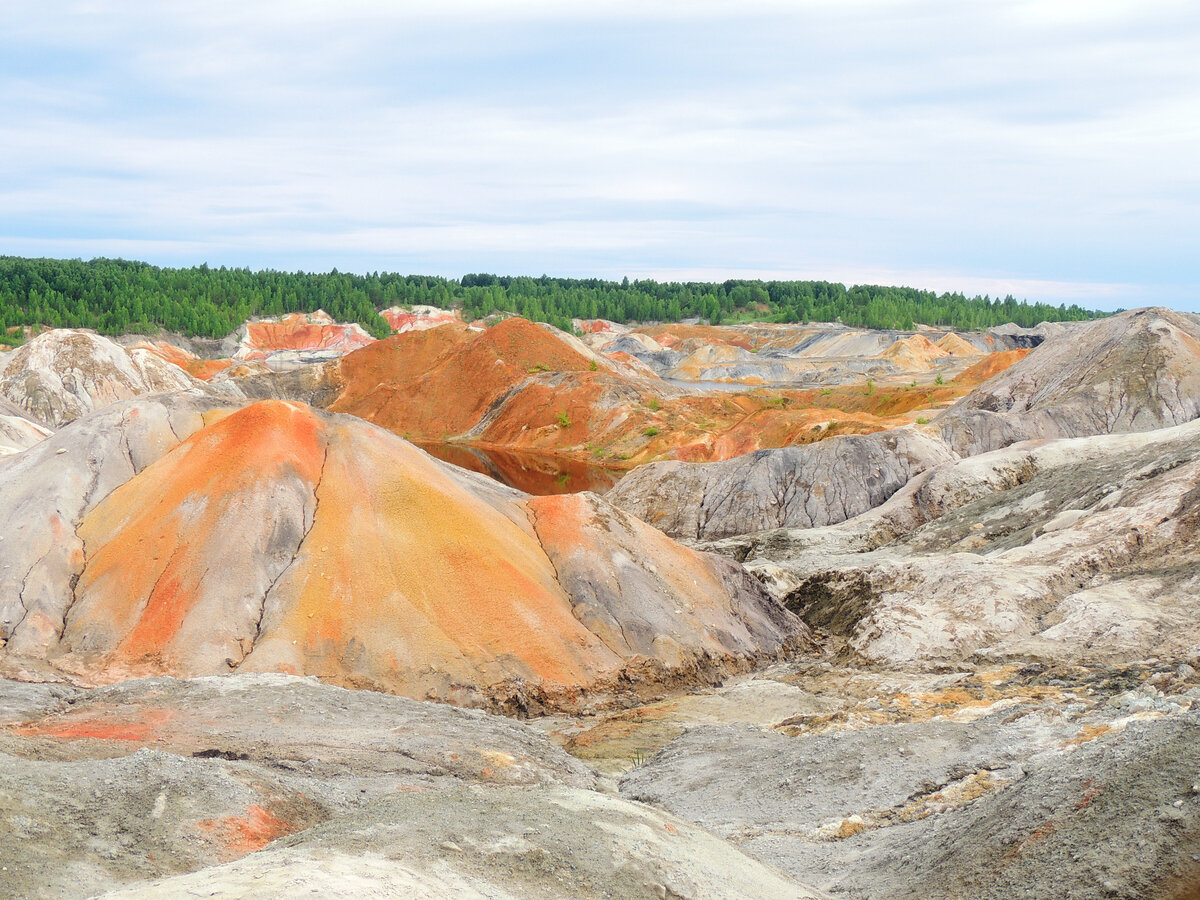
x=517, y=383
x=299, y=338
x=914, y=353
x=419, y=318
x=956, y=346
x=61, y=375
x=17, y=432
x=1135, y=371
x=203, y=369
x=280, y=539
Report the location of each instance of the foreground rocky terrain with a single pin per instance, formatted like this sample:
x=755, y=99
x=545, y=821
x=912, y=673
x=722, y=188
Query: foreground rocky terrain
x=356, y=794
x=951, y=659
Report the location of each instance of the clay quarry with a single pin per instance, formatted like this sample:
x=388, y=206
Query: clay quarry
x=490, y=609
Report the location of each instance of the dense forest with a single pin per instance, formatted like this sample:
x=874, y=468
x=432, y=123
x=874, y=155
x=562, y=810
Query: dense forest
x=116, y=296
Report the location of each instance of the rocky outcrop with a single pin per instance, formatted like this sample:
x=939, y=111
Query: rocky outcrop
x=359, y=559
x=47, y=490
x=1084, y=551
x=17, y=433
x=1135, y=371
x=419, y=318
x=61, y=375
x=811, y=485
x=1067, y=788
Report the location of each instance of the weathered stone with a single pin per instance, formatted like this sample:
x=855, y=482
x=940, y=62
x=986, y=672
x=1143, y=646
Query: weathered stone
x=806, y=486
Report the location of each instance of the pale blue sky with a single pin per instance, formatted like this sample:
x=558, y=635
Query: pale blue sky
x=1048, y=148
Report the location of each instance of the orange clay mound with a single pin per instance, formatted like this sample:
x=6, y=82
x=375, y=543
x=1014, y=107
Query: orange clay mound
x=432, y=384
x=525, y=388
x=281, y=539
x=956, y=346
x=990, y=366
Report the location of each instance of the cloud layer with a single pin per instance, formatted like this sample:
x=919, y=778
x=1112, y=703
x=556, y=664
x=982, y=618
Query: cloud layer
x=1044, y=148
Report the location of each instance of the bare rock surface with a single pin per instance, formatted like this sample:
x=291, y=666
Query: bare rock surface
x=18, y=433
x=804, y=486
x=61, y=375
x=503, y=843
x=1055, y=783
x=264, y=785
x=1135, y=371
x=1082, y=550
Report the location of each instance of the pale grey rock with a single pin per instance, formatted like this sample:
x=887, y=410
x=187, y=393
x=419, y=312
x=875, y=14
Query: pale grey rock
x=1131, y=372
x=18, y=433
x=1084, y=550
x=618, y=591
x=499, y=844
x=1027, y=801
x=62, y=374
x=805, y=486
x=129, y=788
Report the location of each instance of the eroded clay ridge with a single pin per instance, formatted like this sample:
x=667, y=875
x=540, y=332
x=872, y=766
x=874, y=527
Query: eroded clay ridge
x=186, y=538
x=1127, y=373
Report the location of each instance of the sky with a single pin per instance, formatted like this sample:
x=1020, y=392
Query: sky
x=1044, y=148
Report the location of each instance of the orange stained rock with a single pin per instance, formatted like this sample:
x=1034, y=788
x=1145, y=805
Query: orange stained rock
x=432, y=384
x=419, y=319
x=245, y=834
x=100, y=724
x=914, y=352
x=990, y=366
x=304, y=332
x=572, y=525
x=203, y=369
x=410, y=582
x=151, y=552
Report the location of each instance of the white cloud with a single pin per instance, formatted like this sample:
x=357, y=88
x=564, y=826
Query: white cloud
x=1053, y=142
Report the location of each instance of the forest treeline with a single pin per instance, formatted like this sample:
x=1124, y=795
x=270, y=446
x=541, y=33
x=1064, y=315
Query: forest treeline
x=116, y=296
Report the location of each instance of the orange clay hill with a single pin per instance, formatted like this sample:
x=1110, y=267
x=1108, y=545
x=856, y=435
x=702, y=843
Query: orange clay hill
x=282, y=539
x=523, y=387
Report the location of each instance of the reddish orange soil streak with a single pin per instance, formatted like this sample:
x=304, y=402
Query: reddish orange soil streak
x=403, y=321
x=243, y=835
x=145, y=576
x=563, y=520
x=100, y=724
